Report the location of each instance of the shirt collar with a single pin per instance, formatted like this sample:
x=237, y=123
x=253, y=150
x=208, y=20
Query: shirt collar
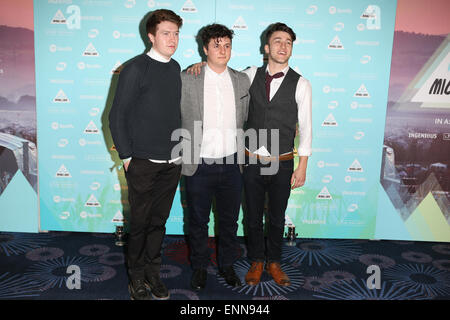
x=157, y=56
x=285, y=70
x=212, y=72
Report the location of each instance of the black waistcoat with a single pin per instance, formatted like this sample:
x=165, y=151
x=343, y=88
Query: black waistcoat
x=279, y=113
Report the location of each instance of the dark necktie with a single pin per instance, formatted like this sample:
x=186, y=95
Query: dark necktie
x=269, y=79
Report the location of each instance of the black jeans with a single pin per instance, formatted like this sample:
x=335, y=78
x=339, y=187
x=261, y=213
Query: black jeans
x=278, y=187
x=151, y=189
x=224, y=182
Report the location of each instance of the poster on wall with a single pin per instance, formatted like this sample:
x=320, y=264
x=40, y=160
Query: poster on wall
x=343, y=49
x=81, y=47
x=18, y=153
x=415, y=174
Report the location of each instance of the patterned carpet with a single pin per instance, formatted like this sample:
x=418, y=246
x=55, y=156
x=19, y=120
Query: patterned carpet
x=34, y=266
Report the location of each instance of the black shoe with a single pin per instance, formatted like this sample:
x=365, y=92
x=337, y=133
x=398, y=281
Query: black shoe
x=157, y=287
x=198, y=281
x=137, y=290
x=230, y=276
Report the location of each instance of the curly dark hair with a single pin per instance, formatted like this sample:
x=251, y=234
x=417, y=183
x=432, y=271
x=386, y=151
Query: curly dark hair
x=278, y=26
x=215, y=31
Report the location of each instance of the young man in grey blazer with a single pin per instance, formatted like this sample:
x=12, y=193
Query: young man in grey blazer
x=214, y=107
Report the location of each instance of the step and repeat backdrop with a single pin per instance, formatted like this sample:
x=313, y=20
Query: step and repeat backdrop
x=354, y=189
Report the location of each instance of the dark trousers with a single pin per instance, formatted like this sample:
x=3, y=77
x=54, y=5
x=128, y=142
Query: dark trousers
x=278, y=187
x=224, y=182
x=151, y=189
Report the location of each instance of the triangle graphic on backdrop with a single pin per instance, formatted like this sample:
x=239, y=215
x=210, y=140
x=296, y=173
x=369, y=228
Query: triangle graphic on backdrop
x=336, y=43
x=362, y=92
x=90, y=51
x=330, y=121
x=91, y=128
x=369, y=13
x=63, y=172
x=189, y=6
x=239, y=24
x=118, y=217
x=59, y=18
x=92, y=202
x=355, y=167
x=61, y=97
x=324, y=194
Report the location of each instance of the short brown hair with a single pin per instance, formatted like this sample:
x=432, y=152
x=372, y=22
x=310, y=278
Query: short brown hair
x=161, y=15
x=279, y=27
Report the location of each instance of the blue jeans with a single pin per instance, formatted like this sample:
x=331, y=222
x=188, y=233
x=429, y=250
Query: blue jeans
x=224, y=182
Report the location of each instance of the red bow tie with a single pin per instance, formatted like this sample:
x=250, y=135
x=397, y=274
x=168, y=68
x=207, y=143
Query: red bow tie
x=269, y=79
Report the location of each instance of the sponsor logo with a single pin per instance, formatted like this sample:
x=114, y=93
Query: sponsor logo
x=58, y=18
x=90, y=51
x=336, y=43
x=92, y=202
x=323, y=164
x=94, y=111
x=239, y=24
x=324, y=194
x=118, y=217
x=55, y=48
x=85, y=215
x=373, y=16
x=91, y=128
x=95, y=186
x=58, y=199
x=312, y=9
x=56, y=126
x=417, y=135
x=333, y=104
x=330, y=121
x=188, y=53
x=362, y=92
x=355, y=167
x=365, y=59
x=63, y=142
x=349, y=179
x=63, y=172
x=189, y=7
x=129, y=4
x=93, y=33
x=64, y=215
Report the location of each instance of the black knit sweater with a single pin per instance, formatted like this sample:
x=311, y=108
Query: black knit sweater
x=146, y=108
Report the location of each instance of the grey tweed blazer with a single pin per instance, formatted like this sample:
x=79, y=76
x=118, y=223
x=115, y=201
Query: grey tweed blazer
x=192, y=114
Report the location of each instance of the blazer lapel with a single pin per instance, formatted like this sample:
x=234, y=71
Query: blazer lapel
x=237, y=94
x=200, y=84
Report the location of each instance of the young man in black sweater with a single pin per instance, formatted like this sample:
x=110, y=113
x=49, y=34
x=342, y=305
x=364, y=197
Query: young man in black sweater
x=145, y=112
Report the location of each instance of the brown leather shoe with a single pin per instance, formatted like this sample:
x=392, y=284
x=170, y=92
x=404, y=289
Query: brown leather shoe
x=274, y=269
x=253, y=275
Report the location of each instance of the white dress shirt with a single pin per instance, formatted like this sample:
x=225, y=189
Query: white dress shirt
x=219, y=115
x=303, y=97
x=158, y=57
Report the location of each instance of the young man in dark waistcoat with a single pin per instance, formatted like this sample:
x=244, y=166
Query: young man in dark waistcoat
x=216, y=105
x=145, y=112
x=280, y=98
